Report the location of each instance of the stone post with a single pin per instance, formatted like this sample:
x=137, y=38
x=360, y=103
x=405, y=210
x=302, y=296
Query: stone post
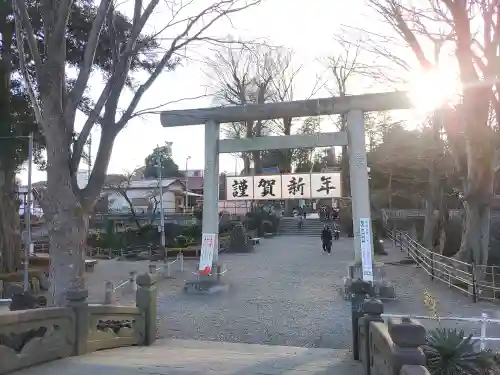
x=360, y=290
x=146, y=301
x=372, y=311
x=109, y=293
x=408, y=336
x=132, y=281
x=152, y=269
x=77, y=300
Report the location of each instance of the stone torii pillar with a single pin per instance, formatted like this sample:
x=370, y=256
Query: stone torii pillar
x=360, y=193
x=210, y=221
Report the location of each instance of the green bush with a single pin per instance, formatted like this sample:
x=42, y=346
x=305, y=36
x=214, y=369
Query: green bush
x=192, y=231
x=182, y=241
x=449, y=353
x=378, y=247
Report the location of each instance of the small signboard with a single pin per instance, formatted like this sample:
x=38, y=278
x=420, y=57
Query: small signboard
x=365, y=234
x=208, y=243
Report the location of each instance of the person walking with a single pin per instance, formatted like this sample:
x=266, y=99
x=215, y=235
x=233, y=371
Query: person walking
x=336, y=231
x=326, y=239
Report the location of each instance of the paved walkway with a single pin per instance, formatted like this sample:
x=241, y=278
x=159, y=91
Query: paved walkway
x=188, y=357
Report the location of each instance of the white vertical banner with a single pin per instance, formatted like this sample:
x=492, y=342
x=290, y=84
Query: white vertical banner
x=208, y=244
x=365, y=236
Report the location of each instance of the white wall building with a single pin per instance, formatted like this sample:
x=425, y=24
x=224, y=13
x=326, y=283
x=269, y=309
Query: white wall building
x=144, y=193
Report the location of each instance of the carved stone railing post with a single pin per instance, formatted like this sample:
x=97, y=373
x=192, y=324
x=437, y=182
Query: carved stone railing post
x=146, y=301
x=408, y=337
x=372, y=311
x=77, y=300
x=132, y=281
x=360, y=290
x=109, y=293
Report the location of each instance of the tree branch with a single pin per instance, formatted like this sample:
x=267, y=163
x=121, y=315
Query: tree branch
x=88, y=56
x=25, y=23
x=96, y=180
x=25, y=74
x=79, y=145
x=175, y=45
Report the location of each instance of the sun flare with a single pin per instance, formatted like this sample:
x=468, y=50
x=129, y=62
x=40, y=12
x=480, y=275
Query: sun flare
x=432, y=89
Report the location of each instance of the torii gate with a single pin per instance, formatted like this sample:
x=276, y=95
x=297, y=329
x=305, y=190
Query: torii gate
x=354, y=106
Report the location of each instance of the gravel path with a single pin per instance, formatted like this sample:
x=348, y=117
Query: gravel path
x=287, y=293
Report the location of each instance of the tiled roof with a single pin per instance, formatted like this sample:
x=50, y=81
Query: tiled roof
x=195, y=183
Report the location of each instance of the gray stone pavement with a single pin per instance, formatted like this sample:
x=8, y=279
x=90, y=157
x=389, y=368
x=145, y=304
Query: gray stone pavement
x=188, y=357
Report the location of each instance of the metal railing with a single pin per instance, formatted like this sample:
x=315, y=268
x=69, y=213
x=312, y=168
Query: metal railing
x=129, y=285
x=478, y=281
x=411, y=213
x=483, y=321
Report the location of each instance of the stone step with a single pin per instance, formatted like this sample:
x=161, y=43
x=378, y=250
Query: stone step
x=190, y=357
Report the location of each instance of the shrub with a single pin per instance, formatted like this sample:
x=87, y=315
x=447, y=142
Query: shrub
x=378, y=247
x=449, y=353
x=182, y=241
x=192, y=231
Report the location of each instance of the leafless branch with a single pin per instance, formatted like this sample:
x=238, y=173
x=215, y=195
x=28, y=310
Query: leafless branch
x=161, y=107
x=214, y=12
x=88, y=56
x=24, y=71
x=23, y=18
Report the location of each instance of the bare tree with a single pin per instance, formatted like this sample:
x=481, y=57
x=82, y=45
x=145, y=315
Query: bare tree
x=245, y=74
x=66, y=205
x=343, y=67
x=467, y=127
x=121, y=184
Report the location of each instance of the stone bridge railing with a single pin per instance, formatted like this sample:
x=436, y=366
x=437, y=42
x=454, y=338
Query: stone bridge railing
x=387, y=348
x=32, y=337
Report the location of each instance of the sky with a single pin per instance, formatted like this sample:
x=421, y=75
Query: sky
x=306, y=28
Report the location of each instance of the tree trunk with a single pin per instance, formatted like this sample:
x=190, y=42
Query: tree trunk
x=68, y=236
x=10, y=234
x=389, y=189
x=430, y=222
x=246, y=164
x=68, y=222
x=433, y=195
x=476, y=234
x=478, y=186
x=257, y=162
x=344, y=172
x=443, y=219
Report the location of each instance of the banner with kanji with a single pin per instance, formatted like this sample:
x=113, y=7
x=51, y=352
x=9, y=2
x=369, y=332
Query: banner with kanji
x=284, y=186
